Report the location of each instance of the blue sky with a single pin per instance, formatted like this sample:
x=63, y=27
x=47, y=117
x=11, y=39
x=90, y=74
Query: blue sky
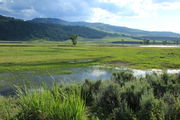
x=153, y=15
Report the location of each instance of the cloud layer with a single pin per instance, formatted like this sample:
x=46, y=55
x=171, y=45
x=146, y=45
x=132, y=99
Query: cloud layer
x=144, y=14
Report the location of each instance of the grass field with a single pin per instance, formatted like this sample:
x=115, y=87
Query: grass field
x=90, y=99
x=19, y=57
x=81, y=40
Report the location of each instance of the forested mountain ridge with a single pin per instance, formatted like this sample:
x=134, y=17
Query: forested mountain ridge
x=12, y=29
x=106, y=27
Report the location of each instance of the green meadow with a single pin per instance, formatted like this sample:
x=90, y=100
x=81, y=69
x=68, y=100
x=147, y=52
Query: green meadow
x=20, y=57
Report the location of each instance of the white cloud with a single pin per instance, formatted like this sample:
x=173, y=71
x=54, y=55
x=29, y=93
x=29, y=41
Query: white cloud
x=169, y=6
x=67, y=6
x=29, y=13
x=102, y=15
x=2, y=8
x=144, y=8
x=150, y=15
x=120, y=2
x=11, y=1
x=143, y=14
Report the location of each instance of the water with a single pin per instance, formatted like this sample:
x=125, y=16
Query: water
x=160, y=46
x=7, y=80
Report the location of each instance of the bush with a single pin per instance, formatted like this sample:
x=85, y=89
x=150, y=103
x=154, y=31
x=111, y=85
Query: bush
x=124, y=112
x=107, y=101
x=122, y=76
x=151, y=108
x=89, y=90
x=172, y=107
x=177, y=78
x=132, y=91
x=164, y=83
x=132, y=98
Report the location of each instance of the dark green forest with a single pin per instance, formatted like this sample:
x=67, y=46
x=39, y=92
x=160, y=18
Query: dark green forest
x=18, y=30
x=122, y=31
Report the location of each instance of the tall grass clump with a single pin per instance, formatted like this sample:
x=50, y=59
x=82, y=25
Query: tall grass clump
x=8, y=108
x=54, y=104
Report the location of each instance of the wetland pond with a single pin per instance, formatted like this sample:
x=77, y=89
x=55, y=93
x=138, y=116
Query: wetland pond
x=8, y=80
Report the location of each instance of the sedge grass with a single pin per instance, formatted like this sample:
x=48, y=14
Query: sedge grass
x=54, y=104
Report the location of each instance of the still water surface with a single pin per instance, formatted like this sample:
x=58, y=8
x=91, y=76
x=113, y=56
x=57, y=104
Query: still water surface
x=8, y=80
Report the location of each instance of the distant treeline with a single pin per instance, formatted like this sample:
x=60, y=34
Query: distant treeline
x=161, y=38
x=148, y=43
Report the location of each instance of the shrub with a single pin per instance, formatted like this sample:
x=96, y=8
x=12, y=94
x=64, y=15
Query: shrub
x=89, y=90
x=132, y=91
x=153, y=79
x=122, y=76
x=177, y=78
x=164, y=83
x=172, y=107
x=132, y=98
x=107, y=101
x=151, y=108
x=124, y=112
x=165, y=78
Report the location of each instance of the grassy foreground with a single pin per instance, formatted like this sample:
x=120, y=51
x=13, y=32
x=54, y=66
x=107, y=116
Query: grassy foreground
x=20, y=57
x=124, y=97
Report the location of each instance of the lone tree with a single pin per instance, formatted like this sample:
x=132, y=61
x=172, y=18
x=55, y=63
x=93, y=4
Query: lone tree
x=122, y=41
x=74, y=39
x=165, y=42
x=146, y=41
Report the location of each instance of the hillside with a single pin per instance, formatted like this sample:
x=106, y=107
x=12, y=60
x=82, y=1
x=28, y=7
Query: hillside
x=12, y=29
x=123, y=31
x=106, y=27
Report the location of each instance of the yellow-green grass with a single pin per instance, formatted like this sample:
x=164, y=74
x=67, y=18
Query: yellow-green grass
x=49, y=56
x=107, y=40
x=8, y=108
x=81, y=40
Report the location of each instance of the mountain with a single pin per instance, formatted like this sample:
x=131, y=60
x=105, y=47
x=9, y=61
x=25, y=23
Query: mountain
x=106, y=27
x=12, y=29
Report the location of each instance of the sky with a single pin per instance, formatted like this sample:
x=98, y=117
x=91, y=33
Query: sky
x=152, y=15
